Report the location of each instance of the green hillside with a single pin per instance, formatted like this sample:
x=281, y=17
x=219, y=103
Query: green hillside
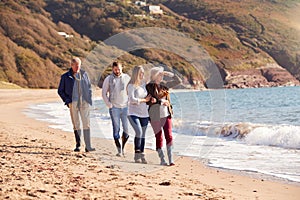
x=238, y=35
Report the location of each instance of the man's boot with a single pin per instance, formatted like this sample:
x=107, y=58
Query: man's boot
x=162, y=157
x=118, y=145
x=125, y=137
x=87, y=140
x=170, y=155
x=77, y=139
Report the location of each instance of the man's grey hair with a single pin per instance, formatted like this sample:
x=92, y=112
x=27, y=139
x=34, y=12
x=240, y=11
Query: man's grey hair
x=76, y=60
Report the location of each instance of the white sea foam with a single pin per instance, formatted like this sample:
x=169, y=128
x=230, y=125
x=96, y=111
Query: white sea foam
x=286, y=136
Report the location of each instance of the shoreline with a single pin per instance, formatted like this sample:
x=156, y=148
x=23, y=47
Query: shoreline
x=257, y=175
x=23, y=138
x=249, y=173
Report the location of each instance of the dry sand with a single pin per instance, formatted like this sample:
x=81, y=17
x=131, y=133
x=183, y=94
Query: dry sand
x=37, y=162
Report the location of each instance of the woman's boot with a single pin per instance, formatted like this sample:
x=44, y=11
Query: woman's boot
x=162, y=157
x=137, y=157
x=170, y=156
x=143, y=158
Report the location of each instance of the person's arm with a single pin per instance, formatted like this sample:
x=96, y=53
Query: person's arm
x=61, y=91
x=149, y=91
x=90, y=87
x=131, y=97
x=153, y=99
x=174, y=82
x=105, y=88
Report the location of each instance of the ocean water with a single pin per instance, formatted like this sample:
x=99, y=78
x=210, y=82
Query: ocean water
x=252, y=130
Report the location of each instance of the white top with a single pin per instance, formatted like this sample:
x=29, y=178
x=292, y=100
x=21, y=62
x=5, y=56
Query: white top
x=163, y=110
x=135, y=106
x=114, y=92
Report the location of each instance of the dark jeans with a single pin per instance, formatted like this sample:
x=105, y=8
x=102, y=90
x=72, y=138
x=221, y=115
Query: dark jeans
x=139, y=125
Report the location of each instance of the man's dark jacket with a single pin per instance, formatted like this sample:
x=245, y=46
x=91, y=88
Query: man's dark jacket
x=68, y=91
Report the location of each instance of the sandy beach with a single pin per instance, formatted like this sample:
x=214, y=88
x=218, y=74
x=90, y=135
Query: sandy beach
x=37, y=162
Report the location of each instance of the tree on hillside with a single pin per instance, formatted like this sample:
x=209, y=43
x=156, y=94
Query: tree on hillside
x=110, y=26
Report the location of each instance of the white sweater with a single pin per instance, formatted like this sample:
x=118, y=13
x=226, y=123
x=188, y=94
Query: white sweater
x=135, y=106
x=114, y=92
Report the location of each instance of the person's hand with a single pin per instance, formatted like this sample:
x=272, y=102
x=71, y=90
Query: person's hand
x=153, y=100
x=148, y=98
x=110, y=105
x=170, y=74
x=165, y=103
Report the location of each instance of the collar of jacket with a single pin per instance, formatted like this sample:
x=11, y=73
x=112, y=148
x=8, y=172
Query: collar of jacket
x=70, y=73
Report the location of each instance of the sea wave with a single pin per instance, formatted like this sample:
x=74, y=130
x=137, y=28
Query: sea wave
x=284, y=136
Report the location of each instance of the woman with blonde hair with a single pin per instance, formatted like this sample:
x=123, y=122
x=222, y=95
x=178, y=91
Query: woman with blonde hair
x=138, y=111
x=160, y=110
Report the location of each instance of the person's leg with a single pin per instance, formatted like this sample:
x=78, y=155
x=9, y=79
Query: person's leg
x=74, y=113
x=144, y=123
x=135, y=123
x=167, y=126
x=139, y=125
x=124, y=119
x=159, y=140
x=158, y=133
x=115, y=119
x=85, y=115
x=85, y=118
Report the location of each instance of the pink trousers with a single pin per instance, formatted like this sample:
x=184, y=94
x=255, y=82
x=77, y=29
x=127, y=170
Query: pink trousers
x=157, y=126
